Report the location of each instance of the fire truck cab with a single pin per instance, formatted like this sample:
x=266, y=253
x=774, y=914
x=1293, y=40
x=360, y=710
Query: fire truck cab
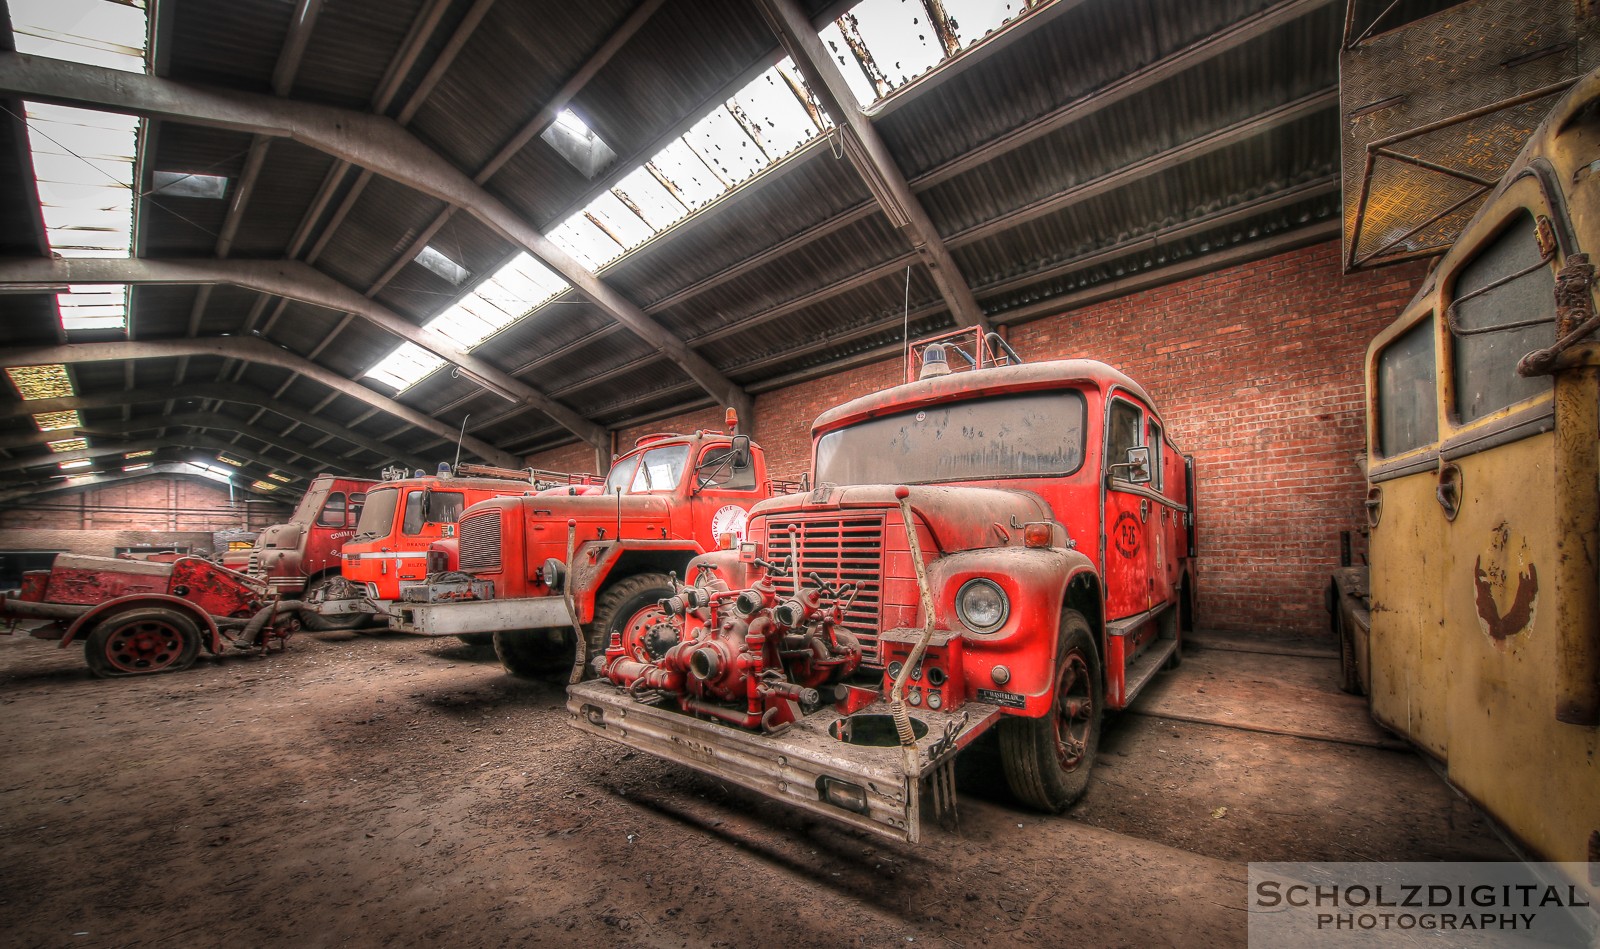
x=403, y=520
x=300, y=558
x=1007, y=547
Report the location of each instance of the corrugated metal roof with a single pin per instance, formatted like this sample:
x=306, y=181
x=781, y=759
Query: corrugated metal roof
x=792, y=270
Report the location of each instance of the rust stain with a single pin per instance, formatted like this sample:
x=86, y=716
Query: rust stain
x=1519, y=616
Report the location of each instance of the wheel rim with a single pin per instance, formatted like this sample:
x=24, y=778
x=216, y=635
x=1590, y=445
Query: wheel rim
x=146, y=646
x=1074, y=718
x=637, y=626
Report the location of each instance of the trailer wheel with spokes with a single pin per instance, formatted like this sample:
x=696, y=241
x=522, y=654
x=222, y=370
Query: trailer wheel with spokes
x=142, y=640
x=1047, y=760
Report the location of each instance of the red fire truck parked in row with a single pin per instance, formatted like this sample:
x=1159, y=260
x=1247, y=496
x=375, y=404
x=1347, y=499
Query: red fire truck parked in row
x=613, y=552
x=300, y=558
x=1008, y=547
x=404, y=517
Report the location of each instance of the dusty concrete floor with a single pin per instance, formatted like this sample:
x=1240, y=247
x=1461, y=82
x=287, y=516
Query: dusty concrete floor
x=403, y=792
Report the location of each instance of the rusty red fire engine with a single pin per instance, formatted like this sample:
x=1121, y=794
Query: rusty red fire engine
x=1008, y=547
x=138, y=617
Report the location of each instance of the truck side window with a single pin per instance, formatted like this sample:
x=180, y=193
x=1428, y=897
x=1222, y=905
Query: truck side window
x=357, y=501
x=1408, y=395
x=1485, y=367
x=333, y=511
x=717, y=471
x=444, y=507
x=1154, y=441
x=1122, y=433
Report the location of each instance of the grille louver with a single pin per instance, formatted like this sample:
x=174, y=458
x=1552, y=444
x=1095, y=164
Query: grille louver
x=839, y=550
x=480, y=542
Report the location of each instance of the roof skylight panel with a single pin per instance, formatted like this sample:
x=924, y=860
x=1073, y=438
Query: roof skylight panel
x=436, y=261
x=93, y=32
x=41, y=382
x=468, y=322
x=686, y=175
x=778, y=121
x=279, y=477
x=68, y=444
x=722, y=142
x=139, y=467
x=265, y=486
x=854, y=70
x=619, y=221
x=641, y=191
x=70, y=465
x=898, y=37
x=975, y=19
x=579, y=236
x=403, y=367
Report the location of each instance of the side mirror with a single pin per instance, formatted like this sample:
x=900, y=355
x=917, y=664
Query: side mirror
x=741, y=451
x=427, y=503
x=1136, y=470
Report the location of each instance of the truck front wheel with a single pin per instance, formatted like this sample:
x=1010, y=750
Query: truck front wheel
x=533, y=653
x=141, y=641
x=1047, y=759
x=627, y=608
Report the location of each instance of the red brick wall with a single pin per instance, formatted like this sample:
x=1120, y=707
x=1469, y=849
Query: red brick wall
x=157, y=511
x=1257, y=370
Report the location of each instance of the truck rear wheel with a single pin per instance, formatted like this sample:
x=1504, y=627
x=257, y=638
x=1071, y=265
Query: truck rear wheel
x=533, y=653
x=1047, y=760
x=626, y=608
x=142, y=641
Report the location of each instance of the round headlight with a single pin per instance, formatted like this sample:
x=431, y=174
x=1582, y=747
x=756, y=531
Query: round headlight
x=982, y=605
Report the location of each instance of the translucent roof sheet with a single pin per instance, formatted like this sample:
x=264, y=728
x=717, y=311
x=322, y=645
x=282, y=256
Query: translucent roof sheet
x=762, y=123
x=41, y=382
x=68, y=444
x=265, y=486
x=69, y=465
x=279, y=477
x=516, y=288
x=95, y=32
x=230, y=461
x=138, y=467
x=82, y=159
x=138, y=454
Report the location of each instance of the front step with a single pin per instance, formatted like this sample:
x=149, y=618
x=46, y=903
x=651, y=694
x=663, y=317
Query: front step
x=1147, y=665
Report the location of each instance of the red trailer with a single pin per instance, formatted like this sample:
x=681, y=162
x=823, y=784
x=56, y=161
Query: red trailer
x=140, y=617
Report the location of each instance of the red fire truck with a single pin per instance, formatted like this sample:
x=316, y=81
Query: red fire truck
x=531, y=567
x=1008, y=547
x=405, y=516
x=300, y=558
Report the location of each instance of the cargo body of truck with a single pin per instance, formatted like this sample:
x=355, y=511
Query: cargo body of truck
x=1008, y=547
x=531, y=568
x=299, y=559
x=140, y=617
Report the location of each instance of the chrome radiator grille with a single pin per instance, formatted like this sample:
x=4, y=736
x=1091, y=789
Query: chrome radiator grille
x=840, y=550
x=480, y=542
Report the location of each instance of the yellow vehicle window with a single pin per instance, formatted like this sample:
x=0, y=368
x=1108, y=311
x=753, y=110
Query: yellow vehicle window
x=1496, y=296
x=1408, y=395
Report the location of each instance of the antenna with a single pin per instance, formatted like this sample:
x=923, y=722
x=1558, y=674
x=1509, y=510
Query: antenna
x=905, y=312
x=461, y=438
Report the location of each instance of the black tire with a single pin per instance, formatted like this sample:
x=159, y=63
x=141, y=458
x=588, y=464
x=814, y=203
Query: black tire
x=1042, y=771
x=1349, y=675
x=317, y=623
x=142, y=640
x=477, y=639
x=622, y=603
x=533, y=653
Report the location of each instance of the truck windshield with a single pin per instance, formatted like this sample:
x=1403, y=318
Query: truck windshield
x=1010, y=436
x=378, y=514
x=655, y=470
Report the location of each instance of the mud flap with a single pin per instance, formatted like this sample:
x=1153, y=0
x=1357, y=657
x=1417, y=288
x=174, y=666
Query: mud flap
x=858, y=782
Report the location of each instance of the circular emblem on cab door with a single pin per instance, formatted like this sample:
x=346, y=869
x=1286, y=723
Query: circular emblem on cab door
x=729, y=520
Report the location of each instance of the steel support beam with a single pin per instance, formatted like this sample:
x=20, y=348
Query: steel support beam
x=296, y=281
x=187, y=440
x=211, y=421
x=368, y=141
x=220, y=392
x=871, y=157
x=250, y=350
x=11, y=497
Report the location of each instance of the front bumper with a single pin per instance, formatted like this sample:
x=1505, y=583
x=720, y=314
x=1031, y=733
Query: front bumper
x=796, y=765
x=479, y=616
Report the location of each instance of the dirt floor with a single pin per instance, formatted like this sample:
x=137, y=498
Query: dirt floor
x=393, y=791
